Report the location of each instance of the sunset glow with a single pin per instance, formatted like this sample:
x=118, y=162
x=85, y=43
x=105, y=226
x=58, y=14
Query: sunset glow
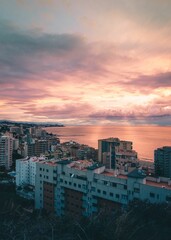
x=86, y=62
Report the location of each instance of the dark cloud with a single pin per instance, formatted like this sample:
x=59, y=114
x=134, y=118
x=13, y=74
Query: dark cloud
x=60, y=111
x=132, y=118
x=21, y=94
x=149, y=82
x=88, y=114
x=33, y=55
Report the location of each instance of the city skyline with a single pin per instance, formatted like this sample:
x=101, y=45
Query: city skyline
x=99, y=62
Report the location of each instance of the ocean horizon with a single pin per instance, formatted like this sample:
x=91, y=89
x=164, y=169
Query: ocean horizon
x=145, y=138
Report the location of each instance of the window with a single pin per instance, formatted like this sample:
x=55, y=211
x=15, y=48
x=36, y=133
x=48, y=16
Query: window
x=124, y=197
x=136, y=190
x=111, y=194
x=98, y=190
x=61, y=180
x=104, y=192
x=54, y=178
x=54, y=171
x=152, y=195
x=40, y=169
x=40, y=175
x=125, y=187
x=65, y=182
x=69, y=183
x=93, y=189
x=75, y=184
x=117, y=195
x=79, y=185
x=47, y=177
x=114, y=184
x=168, y=198
x=105, y=182
x=47, y=170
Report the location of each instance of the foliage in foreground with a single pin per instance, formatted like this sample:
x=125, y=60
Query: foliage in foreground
x=141, y=221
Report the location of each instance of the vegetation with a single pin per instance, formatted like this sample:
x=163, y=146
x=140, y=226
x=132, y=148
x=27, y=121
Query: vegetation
x=141, y=221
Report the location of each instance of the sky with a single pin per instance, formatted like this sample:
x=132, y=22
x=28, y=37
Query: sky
x=78, y=62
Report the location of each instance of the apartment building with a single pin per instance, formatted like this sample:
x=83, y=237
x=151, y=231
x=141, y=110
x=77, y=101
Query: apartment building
x=37, y=148
x=115, y=153
x=6, y=148
x=83, y=188
x=162, y=162
x=26, y=170
x=45, y=188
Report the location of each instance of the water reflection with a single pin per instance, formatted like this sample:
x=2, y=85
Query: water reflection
x=145, y=138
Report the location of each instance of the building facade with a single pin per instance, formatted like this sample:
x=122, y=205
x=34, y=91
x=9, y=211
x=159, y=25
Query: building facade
x=6, y=148
x=26, y=170
x=37, y=148
x=83, y=188
x=115, y=153
x=162, y=162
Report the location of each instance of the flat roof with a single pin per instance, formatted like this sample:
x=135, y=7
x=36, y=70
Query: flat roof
x=82, y=165
x=50, y=163
x=64, y=162
x=137, y=173
x=158, y=184
x=112, y=174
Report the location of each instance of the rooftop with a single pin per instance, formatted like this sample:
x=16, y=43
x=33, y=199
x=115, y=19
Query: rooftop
x=94, y=166
x=158, y=184
x=137, y=173
x=81, y=164
x=64, y=162
x=113, y=174
x=50, y=162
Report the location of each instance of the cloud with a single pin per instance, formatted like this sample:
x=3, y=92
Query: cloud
x=149, y=82
x=64, y=76
x=135, y=118
x=33, y=55
x=60, y=111
x=20, y=95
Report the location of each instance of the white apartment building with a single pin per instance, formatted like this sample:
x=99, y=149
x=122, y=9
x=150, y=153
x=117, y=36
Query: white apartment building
x=26, y=170
x=84, y=188
x=6, y=148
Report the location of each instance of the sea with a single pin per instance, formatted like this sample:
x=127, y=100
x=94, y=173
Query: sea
x=145, y=138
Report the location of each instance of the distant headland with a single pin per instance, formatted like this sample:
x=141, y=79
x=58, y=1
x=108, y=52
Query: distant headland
x=31, y=124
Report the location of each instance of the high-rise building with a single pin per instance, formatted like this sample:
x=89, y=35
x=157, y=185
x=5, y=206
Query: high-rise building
x=6, y=148
x=162, y=162
x=113, y=152
x=26, y=170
